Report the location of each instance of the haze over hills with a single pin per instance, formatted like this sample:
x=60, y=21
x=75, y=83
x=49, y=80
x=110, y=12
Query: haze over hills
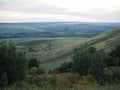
x=54, y=29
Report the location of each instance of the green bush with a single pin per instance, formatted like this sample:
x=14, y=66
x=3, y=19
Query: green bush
x=12, y=64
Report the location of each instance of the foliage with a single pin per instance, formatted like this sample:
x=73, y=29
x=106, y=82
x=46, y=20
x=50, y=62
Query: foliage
x=62, y=82
x=112, y=75
x=89, y=61
x=63, y=68
x=12, y=63
x=115, y=52
x=33, y=63
x=81, y=60
x=115, y=57
x=97, y=65
x=35, y=71
x=39, y=80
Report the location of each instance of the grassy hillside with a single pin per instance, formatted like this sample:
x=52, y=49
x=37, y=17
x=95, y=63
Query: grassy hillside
x=49, y=51
x=106, y=41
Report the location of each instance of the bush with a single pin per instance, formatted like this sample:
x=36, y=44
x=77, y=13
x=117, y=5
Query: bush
x=39, y=80
x=35, y=71
x=63, y=68
x=62, y=82
x=33, y=63
x=112, y=75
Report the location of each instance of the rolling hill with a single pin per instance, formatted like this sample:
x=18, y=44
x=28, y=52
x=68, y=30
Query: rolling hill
x=106, y=41
x=54, y=51
x=54, y=29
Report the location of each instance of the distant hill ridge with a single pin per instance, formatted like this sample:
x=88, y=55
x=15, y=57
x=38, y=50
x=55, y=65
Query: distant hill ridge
x=55, y=29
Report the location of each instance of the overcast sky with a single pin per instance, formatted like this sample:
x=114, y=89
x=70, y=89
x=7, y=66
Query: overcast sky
x=59, y=10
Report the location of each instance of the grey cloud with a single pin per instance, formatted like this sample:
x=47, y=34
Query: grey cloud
x=25, y=7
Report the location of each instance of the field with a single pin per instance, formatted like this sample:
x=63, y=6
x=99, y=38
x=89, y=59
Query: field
x=49, y=51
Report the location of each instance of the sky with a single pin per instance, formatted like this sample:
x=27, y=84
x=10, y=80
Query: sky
x=59, y=10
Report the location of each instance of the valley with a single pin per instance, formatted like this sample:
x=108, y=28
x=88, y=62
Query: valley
x=54, y=43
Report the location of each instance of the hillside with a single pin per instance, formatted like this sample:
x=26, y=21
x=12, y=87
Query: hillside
x=54, y=51
x=54, y=29
x=107, y=40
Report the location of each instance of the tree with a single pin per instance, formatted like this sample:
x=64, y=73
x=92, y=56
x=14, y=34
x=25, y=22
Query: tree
x=81, y=60
x=97, y=65
x=63, y=68
x=89, y=61
x=115, y=56
x=4, y=80
x=33, y=63
x=115, y=52
x=12, y=63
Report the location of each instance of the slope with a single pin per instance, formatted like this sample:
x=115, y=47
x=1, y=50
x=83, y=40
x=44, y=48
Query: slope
x=106, y=41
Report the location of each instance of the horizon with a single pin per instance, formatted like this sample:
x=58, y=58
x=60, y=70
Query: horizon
x=57, y=22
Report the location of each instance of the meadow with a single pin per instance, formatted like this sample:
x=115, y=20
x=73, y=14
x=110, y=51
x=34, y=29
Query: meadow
x=49, y=51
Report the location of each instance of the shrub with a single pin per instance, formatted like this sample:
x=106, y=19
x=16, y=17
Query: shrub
x=33, y=63
x=12, y=64
x=62, y=82
x=39, y=80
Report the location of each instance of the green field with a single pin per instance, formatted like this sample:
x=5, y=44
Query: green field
x=51, y=52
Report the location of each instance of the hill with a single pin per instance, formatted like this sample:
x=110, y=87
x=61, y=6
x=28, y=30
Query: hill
x=54, y=51
x=107, y=40
x=54, y=29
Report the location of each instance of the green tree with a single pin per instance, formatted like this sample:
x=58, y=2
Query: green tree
x=98, y=65
x=81, y=60
x=12, y=62
x=115, y=52
x=63, y=68
x=4, y=80
x=115, y=56
x=92, y=49
x=33, y=63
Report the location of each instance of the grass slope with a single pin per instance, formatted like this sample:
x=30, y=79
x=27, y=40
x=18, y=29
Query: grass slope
x=49, y=51
x=106, y=41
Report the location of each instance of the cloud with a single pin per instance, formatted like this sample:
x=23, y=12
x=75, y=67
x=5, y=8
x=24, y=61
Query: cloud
x=58, y=10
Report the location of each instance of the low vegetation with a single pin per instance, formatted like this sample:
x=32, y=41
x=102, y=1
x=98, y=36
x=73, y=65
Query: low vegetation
x=90, y=69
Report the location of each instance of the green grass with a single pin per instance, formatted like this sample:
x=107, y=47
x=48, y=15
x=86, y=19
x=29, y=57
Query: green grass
x=106, y=41
x=51, y=52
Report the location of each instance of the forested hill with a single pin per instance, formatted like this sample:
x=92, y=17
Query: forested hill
x=55, y=29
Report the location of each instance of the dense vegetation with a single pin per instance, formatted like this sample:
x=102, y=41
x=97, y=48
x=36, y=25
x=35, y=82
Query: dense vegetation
x=12, y=64
x=90, y=64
